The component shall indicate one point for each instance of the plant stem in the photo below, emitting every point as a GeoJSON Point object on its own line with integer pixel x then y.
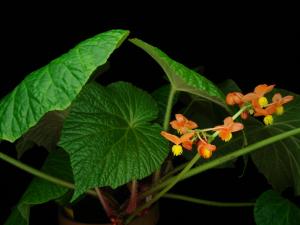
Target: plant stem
{"type": "Point", "coordinates": [39, 173]}
{"type": "Point", "coordinates": [104, 203]}
{"type": "Point", "coordinates": [155, 177]}
{"type": "Point", "coordinates": [207, 202]}
{"type": "Point", "coordinates": [133, 197]}
{"type": "Point", "coordinates": [169, 108]}
{"type": "Point", "coordinates": [238, 113]}
{"type": "Point", "coordinates": [166, 189]}
{"type": "Point", "coordinates": [188, 106]}
{"type": "Point", "coordinates": [168, 111]}
{"type": "Point", "coordinates": [175, 170]}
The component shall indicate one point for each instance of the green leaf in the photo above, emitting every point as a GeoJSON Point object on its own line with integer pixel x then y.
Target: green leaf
{"type": "Point", "coordinates": [16, 218]}
{"type": "Point", "coordinates": [272, 209]}
{"type": "Point", "coordinates": [45, 133]}
{"type": "Point", "coordinates": [41, 191]}
{"type": "Point", "coordinates": [110, 137]}
{"type": "Point", "coordinates": [55, 86]}
{"type": "Point", "coordinates": [181, 77]}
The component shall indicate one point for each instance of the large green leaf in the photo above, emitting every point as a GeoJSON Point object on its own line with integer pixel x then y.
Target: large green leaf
{"type": "Point", "coordinates": [272, 209]}
{"type": "Point", "coordinates": [110, 137]}
{"type": "Point", "coordinates": [41, 191]}
{"type": "Point", "coordinates": [181, 77]}
{"type": "Point", "coordinates": [55, 86]}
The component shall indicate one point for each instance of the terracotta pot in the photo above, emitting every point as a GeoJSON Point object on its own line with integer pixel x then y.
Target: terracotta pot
{"type": "Point", "coordinates": [150, 218]}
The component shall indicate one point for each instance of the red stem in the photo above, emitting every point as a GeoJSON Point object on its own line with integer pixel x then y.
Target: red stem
{"type": "Point", "coordinates": [156, 176]}
{"type": "Point", "coordinates": [105, 204]}
{"type": "Point", "coordinates": [132, 204]}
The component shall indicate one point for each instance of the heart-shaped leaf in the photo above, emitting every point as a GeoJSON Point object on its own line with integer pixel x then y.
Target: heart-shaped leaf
{"type": "Point", "coordinates": [110, 137]}
{"type": "Point", "coordinates": [181, 77]}
{"type": "Point", "coordinates": [272, 209]}
{"type": "Point", "coordinates": [55, 86]}
{"type": "Point", "coordinates": [40, 190]}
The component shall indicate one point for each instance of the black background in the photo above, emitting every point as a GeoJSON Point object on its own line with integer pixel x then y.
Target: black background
{"type": "Point", "coordinates": [250, 44]}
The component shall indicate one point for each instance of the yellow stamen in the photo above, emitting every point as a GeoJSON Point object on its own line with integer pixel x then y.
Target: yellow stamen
{"type": "Point", "coordinates": [268, 120]}
{"type": "Point", "coordinates": [263, 101]}
{"type": "Point", "coordinates": [279, 110]}
{"type": "Point", "coordinates": [177, 150]}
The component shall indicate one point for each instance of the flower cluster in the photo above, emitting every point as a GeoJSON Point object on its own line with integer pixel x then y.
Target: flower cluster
{"type": "Point", "coordinates": [190, 135]}
{"type": "Point", "coordinates": [254, 103]}
{"type": "Point", "coordinates": [258, 104]}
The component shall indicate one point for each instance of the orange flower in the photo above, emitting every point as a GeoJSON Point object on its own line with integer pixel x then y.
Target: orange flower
{"type": "Point", "coordinates": [258, 94]}
{"type": "Point", "coordinates": [276, 106]}
{"type": "Point", "coordinates": [185, 140]}
{"type": "Point", "coordinates": [205, 149]}
{"type": "Point", "coordinates": [259, 111]}
{"type": "Point", "coordinates": [266, 112]}
{"type": "Point", "coordinates": [182, 124]}
{"type": "Point", "coordinates": [234, 98]}
{"type": "Point", "coordinates": [278, 101]}
{"type": "Point", "coordinates": [237, 98]}
{"type": "Point", "coordinates": [225, 131]}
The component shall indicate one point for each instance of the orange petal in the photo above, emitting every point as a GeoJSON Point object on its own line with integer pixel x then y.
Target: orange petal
{"type": "Point", "coordinates": [230, 99]}
{"type": "Point", "coordinates": [180, 118]}
{"type": "Point", "coordinates": [270, 109]}
{"type": "Point", "coordinates": [278, 100]}
{"type": "Point", "coordinates": [277, 97]}
{"type": "Point", "coordinates": [175, 125]}
{"type": "Point", "coordinates": [186, 137]}
{"type": "Point", "coordinates": [265, 112]}
{"type": "Point", "coordinates": [191, 125]}
{"type": "Point", "coordinates": [236, 127]}
{"type": "Point", "coordinates": [262, 89]}
{"type": "Point", "coordinates": [187, 145]}
{"type": "Point", "coordinates": [228, 121]}
{"type": "Point", "coordinates": [234, 98]}
{"type": "Point", "coordinates": [211, 147]}
{"type": "Point", "coordinates": [287, 99]}
{"type": "Point", "coordinates": [170, 137]}
{"type": "Point", "coordinates": [203, 144]}
{"type": "Point", "coordinates": [249, 97]}
{"type": "Point", "coordinates": [219, 127]}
